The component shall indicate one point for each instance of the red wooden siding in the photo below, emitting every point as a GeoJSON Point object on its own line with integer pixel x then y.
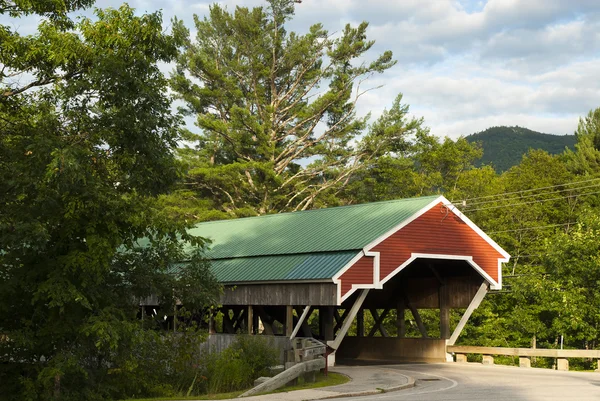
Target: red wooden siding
{"type": "Point", "coordinates": [438, 231]}
{"type": "Point", "coordinates": [361, 272]}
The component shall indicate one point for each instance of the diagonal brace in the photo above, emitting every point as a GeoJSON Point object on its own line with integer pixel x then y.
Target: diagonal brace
{"type": "Point", "coordinates": [346, 325]}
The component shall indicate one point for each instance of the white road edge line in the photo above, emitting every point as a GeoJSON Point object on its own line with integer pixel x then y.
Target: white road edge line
{"type": "Point", "coordinates": [408, 392]}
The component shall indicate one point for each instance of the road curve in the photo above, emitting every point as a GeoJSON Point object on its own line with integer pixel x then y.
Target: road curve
{"type": "Point", "coordinates": [463, 382]}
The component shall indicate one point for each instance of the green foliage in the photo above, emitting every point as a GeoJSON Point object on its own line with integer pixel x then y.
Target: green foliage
{"type": "Point", "coordinates": [152, 363]}
{"type": "Point", "coordinates": [87, 142]}
{"type": "Point", "coordinates": [573, 259]}
{"type": "Point", "coordinates": [422, 165]}
{"type": "Point", "coordinates": [236, 368]}
{"type": "Point", "coordinates": [586, 159]}
{"type": "Point", "coordinates": [88, 159]}
{"type": "Point", "coordinates": [544, 230]}
{"type": "Point", "coordinates": [270, 138]}
{"type": "Point", "coordinates": [503, 147]}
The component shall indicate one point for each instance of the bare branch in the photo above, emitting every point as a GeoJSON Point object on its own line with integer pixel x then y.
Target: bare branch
{"type": "Point", "coordinates": [39, 82]}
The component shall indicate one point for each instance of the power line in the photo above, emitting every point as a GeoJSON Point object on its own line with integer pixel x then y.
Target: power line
{"type": "Point", "coordinates": [534, 195]}
{"type": "Point", "coordinates": [532, 189]}
{"type": "Point", "coordinates": [530, 202]}
{"type": "Point", "coordinates": [531, 228]}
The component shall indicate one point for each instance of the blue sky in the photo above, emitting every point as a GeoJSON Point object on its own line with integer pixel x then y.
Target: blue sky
{"type": "Point", "coordinates": [464, 65]}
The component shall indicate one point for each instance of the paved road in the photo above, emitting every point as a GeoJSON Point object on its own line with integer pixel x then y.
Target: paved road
{"type": "Point", "coordinates": [462, 382]}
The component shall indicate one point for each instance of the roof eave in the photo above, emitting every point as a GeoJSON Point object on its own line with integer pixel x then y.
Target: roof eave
{"type": "Point", "coordinates": [324, 281]}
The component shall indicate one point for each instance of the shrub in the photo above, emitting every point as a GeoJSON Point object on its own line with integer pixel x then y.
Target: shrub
{"type": "Point", "coordinates": [236, 368]}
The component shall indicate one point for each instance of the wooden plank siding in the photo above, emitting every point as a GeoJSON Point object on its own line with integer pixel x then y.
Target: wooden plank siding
{"type": "Point", "coordinates": [438, 231]}
{"type": "Point", "coordinates": [280, 294]}
{"type": "Point", "coordinates": [361, 272]}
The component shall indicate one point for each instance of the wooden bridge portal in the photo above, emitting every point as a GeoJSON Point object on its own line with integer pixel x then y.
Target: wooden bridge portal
{"type": "Point", "coordinates": [382, 260]}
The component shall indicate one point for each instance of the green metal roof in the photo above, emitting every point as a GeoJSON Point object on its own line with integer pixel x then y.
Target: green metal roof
{"type": "Point", "coordinates": [314, 231]}
{"type": "Point", "coordinates": [310, 266]}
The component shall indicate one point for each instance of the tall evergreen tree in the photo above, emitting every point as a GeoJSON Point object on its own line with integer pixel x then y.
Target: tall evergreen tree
{"type": "Point", "coordinates": [586, 157]}
{"type": "Point", "coordinates": [277, 110]}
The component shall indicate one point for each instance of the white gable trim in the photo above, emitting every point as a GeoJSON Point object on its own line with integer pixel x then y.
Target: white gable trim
{"type": "Point", "coordinates": [478, 230]}
{"type": "Point", "coordinates": [406, 222]}
{"type": "Point", "coordinates": [378, 283]}
{"type": "Point", "coordinates": [469, 259]}
{"type": "Point", "coordinates": [506, 256]}
{"type": "Point", "coordinates": [338, 282]}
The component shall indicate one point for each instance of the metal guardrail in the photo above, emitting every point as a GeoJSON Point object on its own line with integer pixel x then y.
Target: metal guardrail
{"type": "Point", "coordinates": [524, 354]}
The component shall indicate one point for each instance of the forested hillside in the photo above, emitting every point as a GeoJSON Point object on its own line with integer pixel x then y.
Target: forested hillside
{"type": "Point", "coordinates": [503, 147]}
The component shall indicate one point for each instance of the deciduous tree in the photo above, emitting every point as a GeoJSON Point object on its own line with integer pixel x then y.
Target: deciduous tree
{"type": "Point", "coordinates": [87, 140]}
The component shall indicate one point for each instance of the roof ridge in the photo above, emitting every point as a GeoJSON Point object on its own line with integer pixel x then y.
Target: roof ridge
{"type": "Point", "coordinates": [318, 210]}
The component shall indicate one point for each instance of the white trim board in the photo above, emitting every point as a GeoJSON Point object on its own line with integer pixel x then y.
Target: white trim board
{"type": "Point", "coordinates": [506, 256]}
{"type": "Point", "coordinates": [469, 259]}
{"type": "Point", "coordinates": [378, 284]}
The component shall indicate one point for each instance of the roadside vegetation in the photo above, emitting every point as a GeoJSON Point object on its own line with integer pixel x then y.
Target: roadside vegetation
{"type": "Point", "coordinates": [332, 379]}
{"type": "Point", "coordinates": [100, 179]}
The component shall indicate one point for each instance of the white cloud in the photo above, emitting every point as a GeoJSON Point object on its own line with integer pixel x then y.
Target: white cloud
{"type": "Point", "coordinates": [464, 65]}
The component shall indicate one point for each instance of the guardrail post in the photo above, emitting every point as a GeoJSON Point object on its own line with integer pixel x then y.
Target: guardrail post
{"type": "Point", "coordinates": [563, 364]}
{"type": "Point", "coordinates": [310, 377]}
{"type": "Point", "coordinates": [598, 368]}
{"type": "Point", "coordinates": [487, 360]}
{"type": "Point", "coordinates": [524, 362]}
{"type": "Point", "coordinates": [461, 358]}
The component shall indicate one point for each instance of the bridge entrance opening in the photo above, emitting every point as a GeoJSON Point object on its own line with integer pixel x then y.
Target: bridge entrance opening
{"type": "Point", "coordinates": [409, 319]}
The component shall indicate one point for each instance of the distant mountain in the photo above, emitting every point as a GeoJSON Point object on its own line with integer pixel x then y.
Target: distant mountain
{"type": "Point", "coordinates": [504, 147]}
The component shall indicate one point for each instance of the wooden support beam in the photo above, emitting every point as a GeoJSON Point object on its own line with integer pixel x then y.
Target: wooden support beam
{"type": "Point", "coordinates": [444, 312]}
{"type": "Point", "coordinates": [417, 317]}
{"type": "Point", "coordinates": [400, 318]}
{"type": "Point", "coordinates": [326, 323]}
{"type": "Point", "coordinates": [305, 328]}
{"type": "Point", "coordinates": [266, 320]}
{"type": "Point", "coordinates": [300, 321]}
{"type": "Point", "coordinates": [289, 320]}
{"type": "Point", "coordinates": [227, 324]}
{"type": "Point", "coordinates": [336, 315]}
{"type": "Point", "coordinates": [483, 289]}
{"type": "Point", "coordinates": [255, 324]}
{"type": "Point", "coordinates": [436, 274]}
{"type": "Point", "coordinates": [238, 322]}
{"type": "Point", "coordinates": [360, 323]}
{"type": "Point", "coordinates": [212, 328]}
{"type": "Point", "coordinates": [378, 320]}
{"type": "Point", "coordinates": [250, 320]}
{"type": "Point", "coordinates": [341, 319]}
{"type": "Point", "coordinates": [348, 322]}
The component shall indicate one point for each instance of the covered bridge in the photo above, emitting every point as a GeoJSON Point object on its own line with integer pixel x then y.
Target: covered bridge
{"type": "Point", "coordinates": [409, 254]}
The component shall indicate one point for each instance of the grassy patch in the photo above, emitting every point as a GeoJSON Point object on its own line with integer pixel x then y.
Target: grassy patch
{"type": "Point", "coordinates": [221, 396]}
{"type": "Point", "coordinates": [333, 379]}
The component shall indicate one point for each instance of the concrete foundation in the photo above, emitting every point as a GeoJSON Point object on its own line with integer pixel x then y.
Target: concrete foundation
{"type": "Point", "coordinates": [524, 362]}
{"type": "Point", "coordinates": [562, 364]}
{"type": "Point", "coordinates": [393, 349]}
{"type": "Point", "coordinates": [487, 360]}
